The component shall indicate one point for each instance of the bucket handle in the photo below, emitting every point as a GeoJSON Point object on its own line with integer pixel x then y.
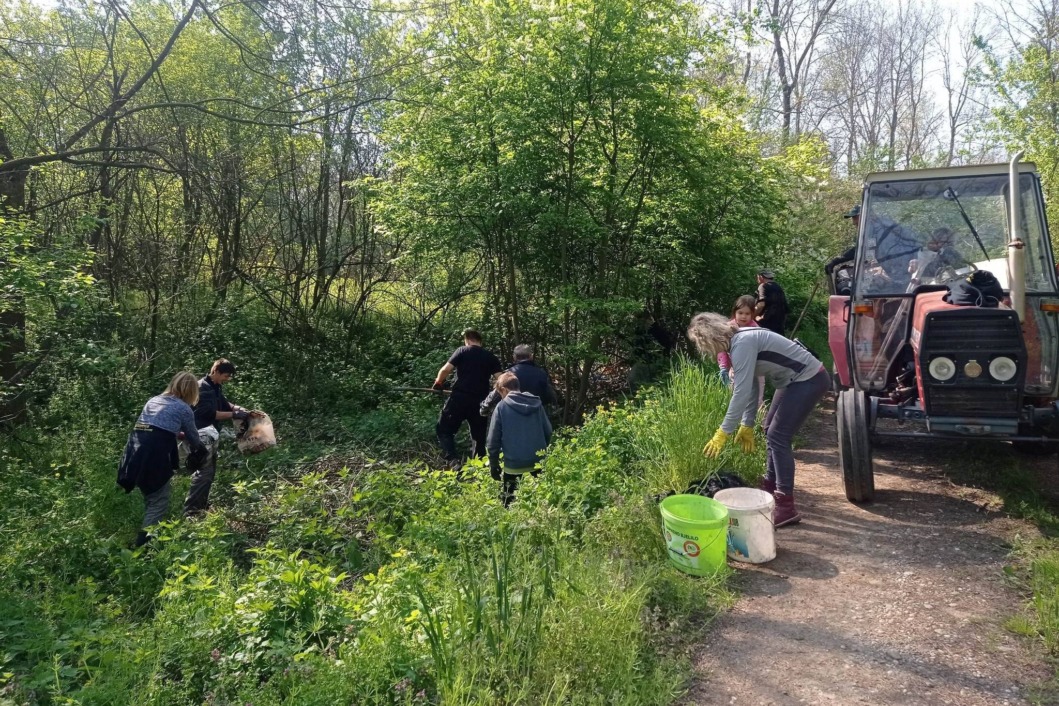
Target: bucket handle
{"type": "Point", "coordinates": [719, 535]}
{"type": "Point", "coordinates": [767, 515]}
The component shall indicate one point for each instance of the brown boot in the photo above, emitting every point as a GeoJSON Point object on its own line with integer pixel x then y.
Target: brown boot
{"type": "Point", "coordinates": [769, 486]}
{"type": "Point", "coordinates": [785, 513]}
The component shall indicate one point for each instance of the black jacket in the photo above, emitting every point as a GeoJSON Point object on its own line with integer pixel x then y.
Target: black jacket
{"type": "Point", "coordinates": [149, 460]}
{"type": "Point", "coordinates": [211, 401]}
{"type": "Point", "coordinates": [531, 378]}
{"type": "Point", "coordinates": [837, 260]}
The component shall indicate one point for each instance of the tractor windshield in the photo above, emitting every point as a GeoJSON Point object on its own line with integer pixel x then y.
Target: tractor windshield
{"type": "Point", "coordinates": [932, 231]}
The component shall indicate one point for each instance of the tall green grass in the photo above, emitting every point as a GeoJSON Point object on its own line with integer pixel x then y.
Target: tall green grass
{"type": "Point", "coordinates": [385, 583]}
{"type": "Point", "coordinates": [678, 421]}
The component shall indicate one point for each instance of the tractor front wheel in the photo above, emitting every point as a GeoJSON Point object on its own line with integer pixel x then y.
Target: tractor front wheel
{"type": "Point", "coordinates": [854, 446]}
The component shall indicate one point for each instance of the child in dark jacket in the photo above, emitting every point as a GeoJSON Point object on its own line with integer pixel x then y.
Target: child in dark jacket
{"type": "Point", "coordinates": [520, 428]}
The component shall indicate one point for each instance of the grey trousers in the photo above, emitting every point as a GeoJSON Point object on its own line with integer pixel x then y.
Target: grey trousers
{"type": "Point", "coordinates": [790, 408]}
{"type": "Point", "coordinates": [198, 498]}
{"type": "Point", "coordinates": [155, 504]}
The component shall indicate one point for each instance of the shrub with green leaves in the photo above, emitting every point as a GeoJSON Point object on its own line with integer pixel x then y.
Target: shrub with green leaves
{"type": "Point", "coordinates": [321, 574]}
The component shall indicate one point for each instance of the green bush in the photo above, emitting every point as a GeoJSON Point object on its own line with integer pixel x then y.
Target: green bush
{"type": "Point", "coordinates": [323, 575]}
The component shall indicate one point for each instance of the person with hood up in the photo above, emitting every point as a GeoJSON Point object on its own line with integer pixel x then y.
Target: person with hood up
{"type": "Point", "coordinates": [520, 429]}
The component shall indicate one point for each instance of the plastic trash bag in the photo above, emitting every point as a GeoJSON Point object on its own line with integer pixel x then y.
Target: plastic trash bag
{"type": "Point", "coordinates": [709, 485]}
{"type": "Point", "coordinates": [255, 434]}
{"type": "Point", "coordinates": [718, 481]}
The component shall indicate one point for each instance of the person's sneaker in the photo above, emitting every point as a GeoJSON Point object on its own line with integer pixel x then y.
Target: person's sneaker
{"type": "Point", "coordinates": [768, 485]}
{"type": "Point", "coordinates": [785, 513]}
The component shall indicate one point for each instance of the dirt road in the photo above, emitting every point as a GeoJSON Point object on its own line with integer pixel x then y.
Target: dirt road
{"type": "Point", "coordinates": [901, 601]}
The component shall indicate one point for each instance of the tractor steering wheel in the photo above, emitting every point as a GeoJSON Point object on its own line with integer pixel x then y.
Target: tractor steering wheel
{"type": "Point", "coordinates": [948, 273]}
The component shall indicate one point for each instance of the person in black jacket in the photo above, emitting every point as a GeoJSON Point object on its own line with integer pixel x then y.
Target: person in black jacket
{"type": "Point", "coordinates": [474, 367]}
{"type": "Point", "coordinates": [212, 408]}
{"type": "Point", "coordinates": [771, 303]}
{"type": "Point", "coordinates": [850, 253]}
{"type": "Point", "coordinates": [531, 378]}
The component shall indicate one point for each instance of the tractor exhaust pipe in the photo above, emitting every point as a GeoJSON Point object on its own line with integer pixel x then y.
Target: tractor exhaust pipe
{"type": "Point", "coordinates": [1017, 246]}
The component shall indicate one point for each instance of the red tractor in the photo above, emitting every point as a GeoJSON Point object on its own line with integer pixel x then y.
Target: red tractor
{"type": "Point", "coordinates": [945, 319]}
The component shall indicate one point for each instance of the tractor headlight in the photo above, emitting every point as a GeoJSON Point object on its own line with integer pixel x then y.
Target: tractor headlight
{"type": "Point", "coordinates": [1002, 368]}
{"type": "Point", "coordinates": [942, 368]}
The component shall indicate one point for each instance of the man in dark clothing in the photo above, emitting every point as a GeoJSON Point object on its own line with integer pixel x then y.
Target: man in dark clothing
{"type": "Point", "coordinates": [474, 367]}
{"type": "Point", "coordinates": [895, 247]}
{"type": "Point", "coordinates": [531, 378]}
{"type": "Point", "coordinates": [212, 408]}
{"type": "Point", "coordinates": [771, 303]}
{"type": "Point", "coordinates": [842, 285]}
{"type": "Point", "coordinates": [850, 254]}
{"type": "Point", "coordinates": [520, 428]}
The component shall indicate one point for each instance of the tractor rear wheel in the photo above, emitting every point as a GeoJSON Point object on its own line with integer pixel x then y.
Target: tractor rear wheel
{"type": "Point", "coordinates": [854, 446]}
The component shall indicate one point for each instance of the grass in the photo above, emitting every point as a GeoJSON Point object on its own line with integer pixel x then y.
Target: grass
{"type": "Point", "coordinates": [680, 418]}
{"type": "Point", "coordinates": [323, 575]}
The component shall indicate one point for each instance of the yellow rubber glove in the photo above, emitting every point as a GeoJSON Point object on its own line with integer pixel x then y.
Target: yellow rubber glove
{"type": "Point", "coordinates": [713, 448]}
{"type": "Point", "coordinates": [745, 438]}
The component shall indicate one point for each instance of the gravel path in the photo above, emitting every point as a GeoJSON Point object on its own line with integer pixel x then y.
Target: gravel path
{"type": "Point", "coordinates": [901, 601]}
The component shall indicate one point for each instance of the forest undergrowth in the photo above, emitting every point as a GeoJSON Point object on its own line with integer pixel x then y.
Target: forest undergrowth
{"type": "Point", "coordinates": [337, 569]}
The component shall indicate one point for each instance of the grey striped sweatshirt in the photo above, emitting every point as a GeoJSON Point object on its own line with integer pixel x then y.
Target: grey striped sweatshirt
{"type": "Point", "coordinates": [759, 352]}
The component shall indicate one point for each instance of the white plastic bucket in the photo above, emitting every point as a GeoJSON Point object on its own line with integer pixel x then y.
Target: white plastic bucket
{"type": "Point", "coordinates": [751, 535]}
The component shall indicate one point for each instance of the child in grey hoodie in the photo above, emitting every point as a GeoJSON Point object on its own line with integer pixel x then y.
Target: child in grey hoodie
{"type": "Point", "coordinates": [520, 428]}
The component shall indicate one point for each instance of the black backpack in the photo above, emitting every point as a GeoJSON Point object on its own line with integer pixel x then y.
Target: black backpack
{"type": "Point", "coordinates": [981, 288]}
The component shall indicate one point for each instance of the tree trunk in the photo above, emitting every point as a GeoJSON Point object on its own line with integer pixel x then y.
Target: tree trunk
{"type": "Point", "coordinates": [13, 318]}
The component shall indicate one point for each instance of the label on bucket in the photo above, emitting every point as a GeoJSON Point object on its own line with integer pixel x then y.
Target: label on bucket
{"type": "Point", "coordinates": [683, 548]}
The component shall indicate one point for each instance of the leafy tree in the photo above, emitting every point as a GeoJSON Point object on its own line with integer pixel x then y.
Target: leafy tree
{"type": "Point", "coordinates": [49, 284]}
{"type": "Point", "coordinates": [1027, 87]}
{"type": "Point", "coordinates": [577, 159]}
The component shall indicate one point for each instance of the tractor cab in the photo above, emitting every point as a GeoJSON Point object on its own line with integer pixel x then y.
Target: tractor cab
{"type": "Point", "coordinates": [945, 321]}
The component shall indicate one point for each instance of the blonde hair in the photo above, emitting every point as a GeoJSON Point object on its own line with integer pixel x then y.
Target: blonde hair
{"type": "Point", "coordinates": [711, 333]}
{"type": "Point", "coordinates": [508, 382]}
{"type": "Point", "coordinates": [184, 386]}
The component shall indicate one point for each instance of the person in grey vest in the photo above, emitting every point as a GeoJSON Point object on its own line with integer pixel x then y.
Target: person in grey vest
{"type": "Point", "coordinates": [800, 381]}
{"type": "Point", "coordinates": [151, 457]}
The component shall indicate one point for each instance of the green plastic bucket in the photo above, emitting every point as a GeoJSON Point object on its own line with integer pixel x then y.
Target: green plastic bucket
{"type": "Point", "coordinates": [696, 531]}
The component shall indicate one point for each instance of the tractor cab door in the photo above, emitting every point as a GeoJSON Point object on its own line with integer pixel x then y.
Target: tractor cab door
{"type": "Point", "coordinates": [881, 307]}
